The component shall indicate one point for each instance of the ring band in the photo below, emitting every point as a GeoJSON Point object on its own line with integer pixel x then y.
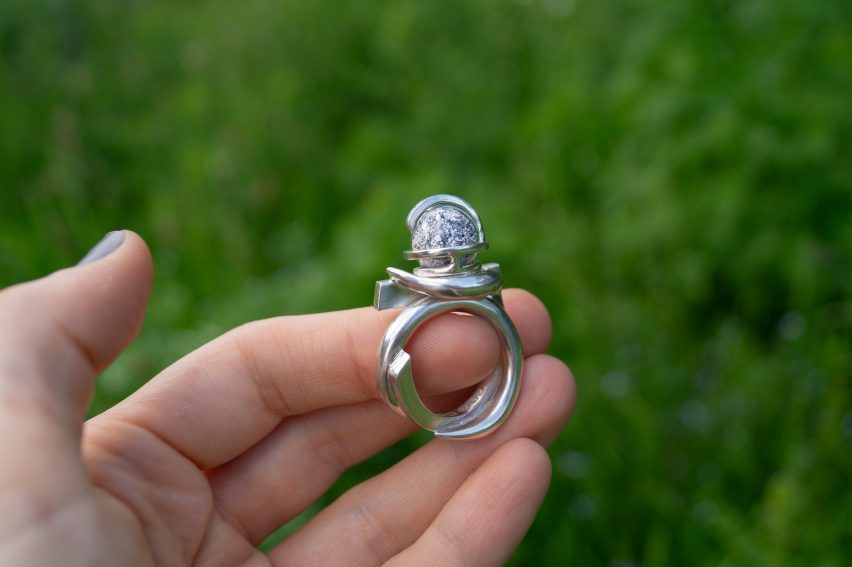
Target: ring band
{"type": "Point", "coordinates": [448, 280]}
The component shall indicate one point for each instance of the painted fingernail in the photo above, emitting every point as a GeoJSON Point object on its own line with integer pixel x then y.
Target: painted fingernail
{"type": "Point", "coordinates": [104, 247]}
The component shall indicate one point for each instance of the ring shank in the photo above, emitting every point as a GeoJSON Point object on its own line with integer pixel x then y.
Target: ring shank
{"type": "Point", "coordinates": [492, 401]}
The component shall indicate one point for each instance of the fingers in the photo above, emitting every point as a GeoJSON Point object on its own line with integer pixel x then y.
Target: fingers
{"type": "Point", "coordinates": [382, 516]}
{"type": "Point", "coordinates": [310, 452]}
{"type": "Point", "coordinates": [57, 334]}
{"type": "Point", "coordinates": [486, 519]}
{"type": "Point", "coordinates": [225, 397]}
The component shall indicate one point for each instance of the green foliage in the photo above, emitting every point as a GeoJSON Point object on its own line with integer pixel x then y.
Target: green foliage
{"type": "Point", "coordinates": [673, 178]}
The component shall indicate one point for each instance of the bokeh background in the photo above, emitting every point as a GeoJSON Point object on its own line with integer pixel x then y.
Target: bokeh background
{"type": "Point", "coordinates": [673, 178]}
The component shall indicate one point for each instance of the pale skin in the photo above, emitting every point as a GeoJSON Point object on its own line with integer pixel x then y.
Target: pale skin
{"type": "Point", "coordinates": [240, 436]}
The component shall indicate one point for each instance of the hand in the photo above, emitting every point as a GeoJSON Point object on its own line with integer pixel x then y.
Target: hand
{"type": "Point", "coordinates": [240, 436]}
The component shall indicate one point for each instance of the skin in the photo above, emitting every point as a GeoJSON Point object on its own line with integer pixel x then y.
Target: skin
{"type": "Point", "coordinates": [238, 437]}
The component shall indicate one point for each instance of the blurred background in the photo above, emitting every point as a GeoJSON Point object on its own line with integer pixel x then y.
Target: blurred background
{"type": "Point", "coordinates": [673, 178]}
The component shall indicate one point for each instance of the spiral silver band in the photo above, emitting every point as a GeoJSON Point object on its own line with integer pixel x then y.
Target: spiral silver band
{"type": "Point", "coordinates": [458, 287]}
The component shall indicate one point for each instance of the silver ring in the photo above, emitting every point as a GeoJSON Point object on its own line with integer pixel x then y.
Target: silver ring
{"type": "Point", "coordinates": [446, 234]}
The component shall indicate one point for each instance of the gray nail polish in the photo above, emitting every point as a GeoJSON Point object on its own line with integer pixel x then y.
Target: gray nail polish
{"type": "Point", "coordinates": [104, 247]}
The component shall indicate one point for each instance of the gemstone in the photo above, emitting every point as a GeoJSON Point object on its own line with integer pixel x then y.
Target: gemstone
{"type": "Point", "coordinates": [443, 227]}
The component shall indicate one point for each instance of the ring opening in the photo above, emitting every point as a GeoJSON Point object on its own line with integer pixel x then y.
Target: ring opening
{"type": "Point", "coordinates": [468, 367]}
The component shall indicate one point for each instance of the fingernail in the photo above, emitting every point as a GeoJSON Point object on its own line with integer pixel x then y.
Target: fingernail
{"type": "Point", "coordinates": [104, 247]}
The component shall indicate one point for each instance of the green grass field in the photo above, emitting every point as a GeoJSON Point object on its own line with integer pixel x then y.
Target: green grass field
{"type": "Point", "coordinates": [672, 178]}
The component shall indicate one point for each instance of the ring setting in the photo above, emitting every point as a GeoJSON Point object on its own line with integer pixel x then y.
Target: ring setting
{"type": "Point", "coordinates": [446, 235]}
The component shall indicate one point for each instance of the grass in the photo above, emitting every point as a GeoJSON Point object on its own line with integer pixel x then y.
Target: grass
{"type": "Point", "coordinates": [672, 178]}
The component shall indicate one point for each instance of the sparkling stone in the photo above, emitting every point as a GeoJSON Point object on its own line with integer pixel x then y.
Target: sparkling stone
{"type": "Point", "coordinates": [443, 227]}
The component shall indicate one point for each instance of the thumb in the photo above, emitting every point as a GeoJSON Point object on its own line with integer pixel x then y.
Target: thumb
{"type": "Point", "coordinates": [57, 333]}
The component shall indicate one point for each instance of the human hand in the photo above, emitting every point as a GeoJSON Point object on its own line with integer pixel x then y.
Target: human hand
{"type": "Point", "coordinates": [240, 436]}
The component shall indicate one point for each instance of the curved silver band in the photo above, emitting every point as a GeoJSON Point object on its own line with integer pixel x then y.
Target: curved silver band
{"type": "Point", "coordinates": [493, 400]}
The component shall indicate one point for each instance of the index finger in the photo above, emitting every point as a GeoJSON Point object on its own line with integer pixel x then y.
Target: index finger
{"type": "Point", "coordinates": [220, 400]}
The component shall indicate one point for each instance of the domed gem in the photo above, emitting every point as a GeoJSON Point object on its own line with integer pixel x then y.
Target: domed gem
{"type": "Point", "coordinates": [443, 227]}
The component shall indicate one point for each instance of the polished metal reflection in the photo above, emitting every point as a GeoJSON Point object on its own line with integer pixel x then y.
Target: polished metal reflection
{"type": "Point", "coordinates": [446, 236]}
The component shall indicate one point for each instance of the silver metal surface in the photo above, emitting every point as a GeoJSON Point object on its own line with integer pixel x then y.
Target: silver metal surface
{"type": "Point", "coordinates": [448, 280]}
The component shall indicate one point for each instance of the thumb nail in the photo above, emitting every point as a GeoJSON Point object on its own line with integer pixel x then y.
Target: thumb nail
{"type": "Point", "coordinates": [104, 247]}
